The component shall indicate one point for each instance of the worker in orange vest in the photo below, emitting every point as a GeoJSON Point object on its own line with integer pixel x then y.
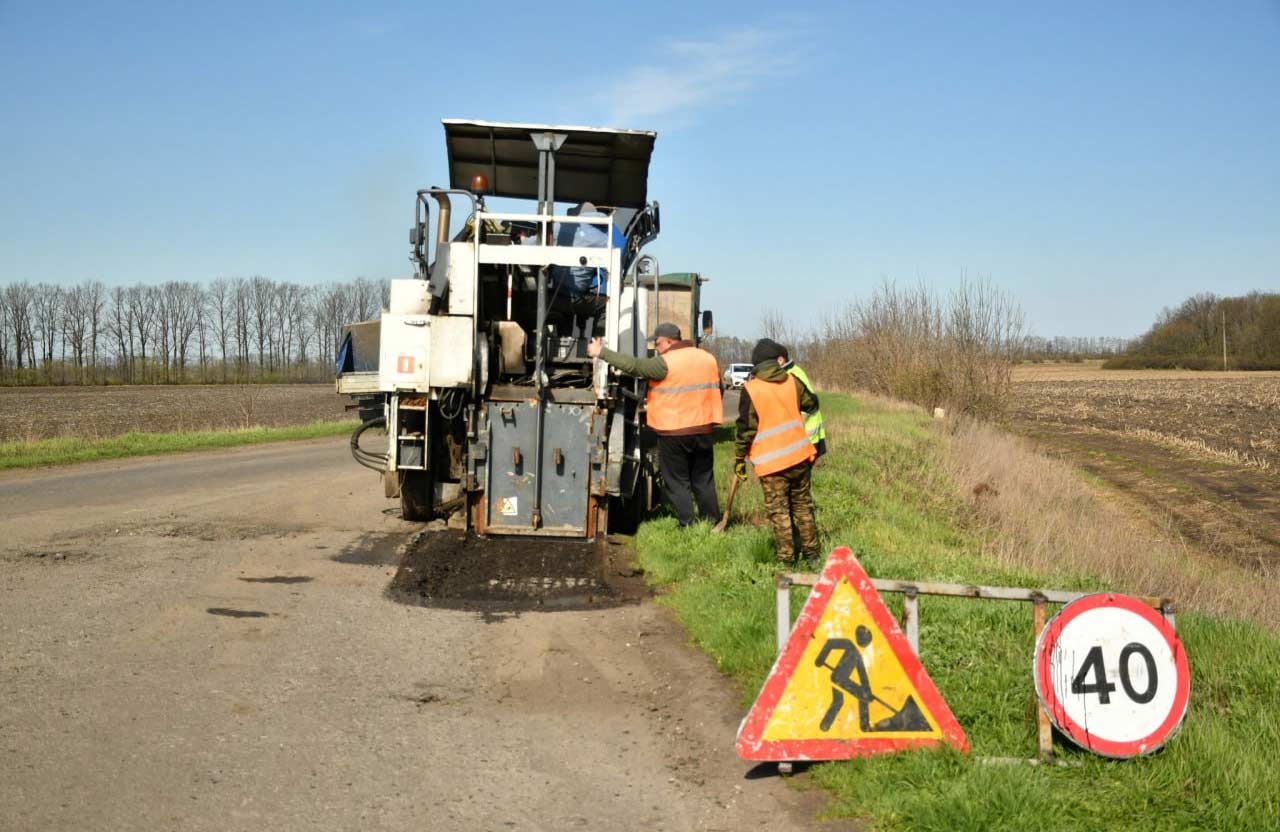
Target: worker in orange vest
{"type": "Point", "coordinates": [771, 433]}
{"type": "Point", "coordinates": [684, 407]}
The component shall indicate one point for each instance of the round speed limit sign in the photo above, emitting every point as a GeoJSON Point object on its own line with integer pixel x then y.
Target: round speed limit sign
{"type": "Point", "coordinates": [1112, 675]}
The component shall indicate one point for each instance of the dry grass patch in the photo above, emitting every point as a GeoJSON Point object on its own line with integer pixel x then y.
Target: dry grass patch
{"type": "Point", "coordinates": [1042, 515]}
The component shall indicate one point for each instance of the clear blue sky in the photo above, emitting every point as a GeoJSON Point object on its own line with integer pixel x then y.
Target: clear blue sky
{"type": "Point", "coordinates": [1097, 160]}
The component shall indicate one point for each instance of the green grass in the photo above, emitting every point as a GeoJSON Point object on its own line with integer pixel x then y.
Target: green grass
{"type": "Point", "coordinates": [881, 492]}
{"type": "Point", "coordinates": [65, 450]}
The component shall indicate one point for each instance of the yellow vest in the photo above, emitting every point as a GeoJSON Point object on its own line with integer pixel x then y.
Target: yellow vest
{"type": "Point", "coordinates": [812, 421]}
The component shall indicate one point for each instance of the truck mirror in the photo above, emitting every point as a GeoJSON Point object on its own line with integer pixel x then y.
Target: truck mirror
{"type": "Point", "coordinates": [708, 323]}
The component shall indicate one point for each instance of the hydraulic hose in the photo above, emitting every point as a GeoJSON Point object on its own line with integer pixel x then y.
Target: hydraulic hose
{"type": "Point", "coordinates": [375, 462]}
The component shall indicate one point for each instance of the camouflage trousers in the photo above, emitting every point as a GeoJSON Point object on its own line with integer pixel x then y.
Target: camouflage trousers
{"type": "Point", "coordinates": [789, 501]}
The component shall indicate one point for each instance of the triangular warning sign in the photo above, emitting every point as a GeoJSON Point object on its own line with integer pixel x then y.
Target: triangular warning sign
{"type": "Point", "coordinates": [847, 684]}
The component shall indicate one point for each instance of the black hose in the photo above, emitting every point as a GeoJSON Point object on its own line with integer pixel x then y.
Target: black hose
{"type": "Point", "coordinates": [368, 459]}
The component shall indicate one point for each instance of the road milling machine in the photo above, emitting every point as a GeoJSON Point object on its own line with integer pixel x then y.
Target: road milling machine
{"type": "Point", "coordinates": [477, 369]}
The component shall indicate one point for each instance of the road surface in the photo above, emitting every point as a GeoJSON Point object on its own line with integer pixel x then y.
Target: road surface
{"type": "Point", "coordinates": [203, 642]}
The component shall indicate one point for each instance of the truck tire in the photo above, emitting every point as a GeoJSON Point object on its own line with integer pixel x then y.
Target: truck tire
{"type": "Point", "coordinates": [415, 496]}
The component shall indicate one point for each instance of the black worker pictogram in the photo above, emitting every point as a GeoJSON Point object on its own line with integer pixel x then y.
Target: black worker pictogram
{"type": "Point", "coordinates": [849, 676]}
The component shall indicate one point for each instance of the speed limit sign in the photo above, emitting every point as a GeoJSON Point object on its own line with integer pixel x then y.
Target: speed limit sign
{"type": "Point", "coordinates": [1112, 675]}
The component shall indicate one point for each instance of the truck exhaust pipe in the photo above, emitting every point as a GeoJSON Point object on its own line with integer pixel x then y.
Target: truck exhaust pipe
{"type": "Point", "coordinates": [442, 223]}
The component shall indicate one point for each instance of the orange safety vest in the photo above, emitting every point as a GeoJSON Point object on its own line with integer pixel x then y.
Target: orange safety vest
{"type": "Point", "coordinates": [688, 399]}
{"type": "Point", "coordinates": [781, 439]}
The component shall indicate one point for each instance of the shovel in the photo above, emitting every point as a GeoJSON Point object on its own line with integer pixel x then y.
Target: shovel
{"type": "Point", "coordinates": [728, 506]}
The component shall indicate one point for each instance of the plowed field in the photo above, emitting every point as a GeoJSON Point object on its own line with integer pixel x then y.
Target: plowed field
{"type": "Point", "coordinates": [1201, 448]}
{"type": "Point", "coordinates": [97, 412]}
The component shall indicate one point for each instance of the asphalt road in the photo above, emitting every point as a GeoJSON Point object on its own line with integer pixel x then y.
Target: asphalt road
{"type": "Point", "coordinates": [203, 642]}
{"type": "Point", "coordinates": [731, 397]}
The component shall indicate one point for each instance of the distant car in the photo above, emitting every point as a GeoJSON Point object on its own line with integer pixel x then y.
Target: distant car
{"type": "Point", "coordinates": [735, 375]}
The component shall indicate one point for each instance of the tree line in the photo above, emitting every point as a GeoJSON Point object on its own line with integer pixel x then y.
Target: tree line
{"type": "Point", "coordinates": [1208, 332]}
{"type": "Point", "coordinates": [234, 329]}
{"type": "Point", "coordinates": [1074, 347]}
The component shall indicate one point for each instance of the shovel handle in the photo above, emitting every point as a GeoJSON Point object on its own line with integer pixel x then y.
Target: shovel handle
{"type": "Point", "coordinates": [728, 505]}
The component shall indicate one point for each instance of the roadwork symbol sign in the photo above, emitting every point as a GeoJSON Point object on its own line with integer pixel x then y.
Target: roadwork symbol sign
{"type": "Point", "coordinates": [847, 684]}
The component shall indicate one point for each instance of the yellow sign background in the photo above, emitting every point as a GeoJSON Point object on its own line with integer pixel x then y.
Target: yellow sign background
{"type": "Point", "coordinates": [808, 694]}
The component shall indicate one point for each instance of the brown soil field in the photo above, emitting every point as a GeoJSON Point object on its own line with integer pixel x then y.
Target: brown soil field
{"type": "Point", "coordinates": [1201, 449]}
{"type": "Point", "coordinates": [1092, 371]}
{"type": "Point", "coordinates": [28, 413]}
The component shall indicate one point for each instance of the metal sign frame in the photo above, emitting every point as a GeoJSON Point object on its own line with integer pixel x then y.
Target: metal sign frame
{"type": "Point", "coordinates": [912, 590]}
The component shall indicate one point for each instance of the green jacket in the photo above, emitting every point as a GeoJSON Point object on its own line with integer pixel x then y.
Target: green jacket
{"type": "Point", "coordinates": [747, 421]}
{"type": "Point", "coordinates": [650, 367]}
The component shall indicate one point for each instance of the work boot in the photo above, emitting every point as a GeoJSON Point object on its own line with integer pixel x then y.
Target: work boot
{"type": "Point", "coordinates": [812, 562]}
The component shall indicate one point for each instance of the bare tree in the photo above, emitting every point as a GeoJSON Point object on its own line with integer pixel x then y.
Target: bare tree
{"type": "Point", "coordinates": [366, 299]}
{"type": "Point", "coordinates": [178, 302]}
{"type": "Point", "coordinates": [143, 304]}
{"type": "Point", "coordinates": [76, 326]}
{"type": "Point", "coordinates": [261, 296]}
{"type": "Point", "coordinates": [119, 328]}
{"type": "Point", "coordinates": [773, 325]}
{"type": "Point", "coordinates": [330, 314]}
{"type": "Point", "coordinates": [95, 298]}
{"type": "Point", "coordinates": [202, 334]}
{"type": "Point", "coordinates": [47, 314]}
{"type": "Point", "coordinates": [241, 308]}
{"type": "Point", "coordinates": [220, 317]}
{"type": "Point", "coordinates": [4, 337]}
{"type": "Point", "coordinates": [302, 325]}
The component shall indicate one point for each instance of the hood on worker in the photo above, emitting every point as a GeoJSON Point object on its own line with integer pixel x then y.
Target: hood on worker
{"type": "Point", "coordinates": [770, 371]}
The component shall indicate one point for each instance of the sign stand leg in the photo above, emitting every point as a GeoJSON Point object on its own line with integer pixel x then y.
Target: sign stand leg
{"type": "Point", "coordinates": [782, 611]}
{"type": "Point", "coordinates": [1044, 731]}
{"type": "Point", "coordinates": [911, 618]}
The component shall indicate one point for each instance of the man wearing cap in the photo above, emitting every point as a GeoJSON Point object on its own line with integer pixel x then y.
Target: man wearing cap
{"type": "Point", "coordinates": [772, 434]}
{"type": "Point", "coordinates": [684, 407]}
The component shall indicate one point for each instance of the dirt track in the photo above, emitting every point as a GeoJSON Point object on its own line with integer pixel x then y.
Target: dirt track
{"type": "Point", "coordinates": [204, 642]}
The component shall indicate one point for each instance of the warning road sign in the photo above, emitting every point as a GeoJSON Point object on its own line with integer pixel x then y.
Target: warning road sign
{"type": "Point", "coordinates": [847, 684]}
{"type": "Point", "coordinates": [1112, 676]}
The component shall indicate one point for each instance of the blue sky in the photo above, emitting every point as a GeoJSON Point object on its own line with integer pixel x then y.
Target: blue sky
{"type": "Point", "coordinates": [1098, 161]}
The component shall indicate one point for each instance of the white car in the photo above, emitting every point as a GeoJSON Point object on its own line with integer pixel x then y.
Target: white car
{"type": "Point", "coordinates": [736, 375]}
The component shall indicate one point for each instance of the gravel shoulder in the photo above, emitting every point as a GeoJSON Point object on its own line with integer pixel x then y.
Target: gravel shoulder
{"type": "Point", "coordinates": [205, 642]}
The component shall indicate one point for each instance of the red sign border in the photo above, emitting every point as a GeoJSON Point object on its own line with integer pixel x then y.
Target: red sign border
{"type": "Point", "coordinates": [841, 563]}
{"type": "Point", "coordinates": [1053, 707]}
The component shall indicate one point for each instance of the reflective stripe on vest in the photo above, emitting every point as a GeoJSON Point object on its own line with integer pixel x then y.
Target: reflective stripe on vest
{"type": "Point", "coordinates": [781, 440]}
{"type": "Point", "coordinates": [686, 388]}
{"type": "Point", "coordinates": [812, 421]}
{"type": "Point", "coordinates": [689, 397]}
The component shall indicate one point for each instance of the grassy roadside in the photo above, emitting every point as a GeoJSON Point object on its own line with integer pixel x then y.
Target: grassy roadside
{"type": "Point", "coordinates": [65, 450]}
{"type": "Point", "coordinates": [883, 492]}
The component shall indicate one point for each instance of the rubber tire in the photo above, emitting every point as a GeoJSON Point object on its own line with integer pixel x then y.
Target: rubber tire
{"type": "Point", "coordinates": [415, 496]}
